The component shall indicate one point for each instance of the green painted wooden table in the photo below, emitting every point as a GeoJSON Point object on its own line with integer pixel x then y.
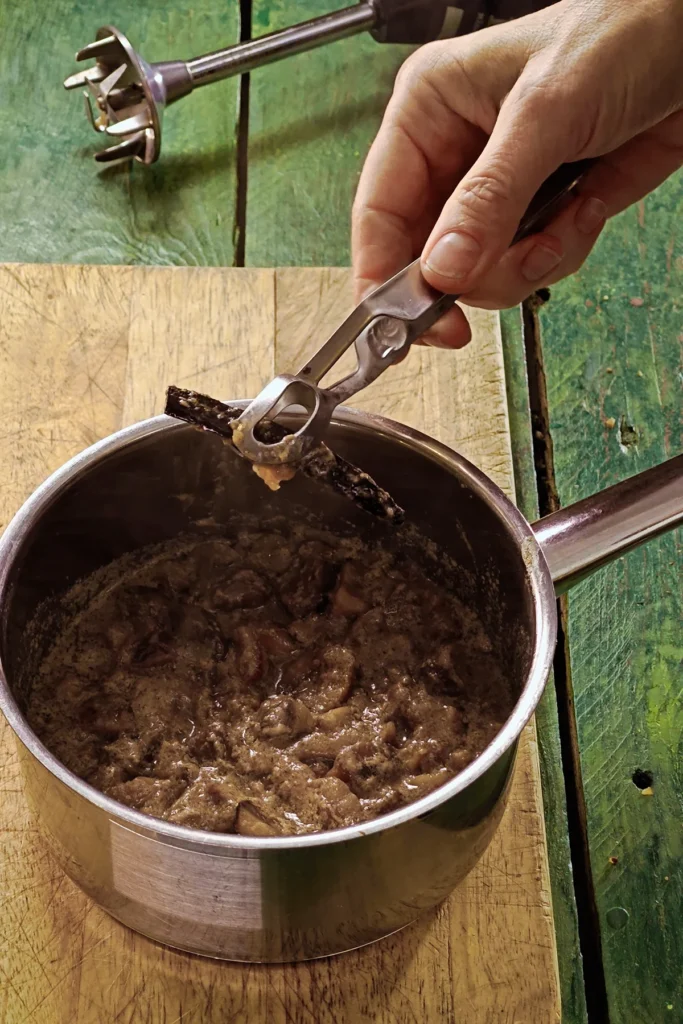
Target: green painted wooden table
{"type": "Point", "coordinates": [264, 173]}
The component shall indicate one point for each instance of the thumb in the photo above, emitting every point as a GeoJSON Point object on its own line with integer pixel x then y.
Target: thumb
{"type": "Point", "coordinates": [479, 220]}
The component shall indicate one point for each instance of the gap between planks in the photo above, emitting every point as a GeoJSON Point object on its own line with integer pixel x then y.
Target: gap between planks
{"type": "Point", "coordinates": [588, 919]}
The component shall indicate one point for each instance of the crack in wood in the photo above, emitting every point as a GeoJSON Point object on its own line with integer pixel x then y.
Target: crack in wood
{"type": "Point", "coordinates": [242, 148]}
{"type": "Point", "coordinates": [595, 985]}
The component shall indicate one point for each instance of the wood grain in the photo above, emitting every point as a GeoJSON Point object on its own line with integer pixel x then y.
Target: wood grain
{"type": "Point", "coordinates": [612, 337]}
{"type": "Point", "coordinates": [488, 954]}
{"type": "Point", "coordinates": [63, 349]}
{"type": "Point", "coordinates": [206, 328]}
{"type": "Point", "coordinates": [57, 204]}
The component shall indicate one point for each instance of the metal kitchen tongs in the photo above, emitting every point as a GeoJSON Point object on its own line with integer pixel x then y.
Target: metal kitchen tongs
{"type": "Point", "coordinates": [382, 327]}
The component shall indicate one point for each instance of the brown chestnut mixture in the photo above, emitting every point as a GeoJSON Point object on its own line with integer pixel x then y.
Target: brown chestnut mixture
{"type": "Point", "coordinates": [279, 681]}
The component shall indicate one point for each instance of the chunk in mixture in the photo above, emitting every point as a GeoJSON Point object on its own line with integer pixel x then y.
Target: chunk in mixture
{"type": "Point", "coordinates": [274, 681]}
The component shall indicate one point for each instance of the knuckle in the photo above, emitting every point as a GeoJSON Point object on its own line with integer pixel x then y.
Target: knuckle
{"type": "Point", "coordinates": [360, 210]}
{"type": "Point", "coordinates": [409, 73]}
{"type": "Point", "coordinates": [483, 195]}
{"type": "Point", "coordinates": [418, 67]}
{"type": "Point", "coordinates": [366, 209]}
{"type": "Point", "coordinates": [539, 94]}
{"type": "Point", "coordinates": [436, 57]}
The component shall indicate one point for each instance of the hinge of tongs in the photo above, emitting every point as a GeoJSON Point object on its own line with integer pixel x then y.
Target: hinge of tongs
{"type": "Point", "coordinates": [383, 327]}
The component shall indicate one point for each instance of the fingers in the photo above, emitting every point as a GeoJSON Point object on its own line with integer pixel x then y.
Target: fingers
{"type": "Point", "coordinates": [451, 331]}
{"type": "Point", "coordinates": [542, 259]}
{"type": "Point", "coordinates": [409, 172]}
{"type": "Point", "coordinates": [614, 183]}
{"type": "Point", "coordinates": [636, 168]}
{"type": "Point", "coordinates": [480, 218]}
{"type": "Point", "coordinates": [382, 245]}
{"type": "Point", "coordinates": [447, 102]}
{"type": "Point", "coordinates": [574, 97]}
{"type": "Point", "coordinates": [386, 207]}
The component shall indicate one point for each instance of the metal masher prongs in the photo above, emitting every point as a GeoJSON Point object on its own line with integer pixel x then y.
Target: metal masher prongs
{"type": "Point", "coordinates": [130, 94]}
{"type": "Point", "coordinates": [125, 96]}
{"type": "Point", "coordinates": [121, 108]}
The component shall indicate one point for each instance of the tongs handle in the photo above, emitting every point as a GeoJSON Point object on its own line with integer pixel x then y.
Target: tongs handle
{"type": "Point", "coordinates": [383, 327]}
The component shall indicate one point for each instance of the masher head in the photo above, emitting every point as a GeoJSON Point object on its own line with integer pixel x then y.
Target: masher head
{"type": "Point", "coordinates": [125, 96]}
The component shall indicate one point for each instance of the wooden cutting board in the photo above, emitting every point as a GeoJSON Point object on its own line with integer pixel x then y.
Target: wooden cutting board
{"type": "Point", "coordinates": [84, 350]}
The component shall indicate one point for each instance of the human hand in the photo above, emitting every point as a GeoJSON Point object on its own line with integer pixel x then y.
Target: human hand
{"type": "Point", "coordinates": [476, 125]}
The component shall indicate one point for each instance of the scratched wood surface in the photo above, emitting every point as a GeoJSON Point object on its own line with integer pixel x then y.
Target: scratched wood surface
{"type": "Point", "coordinates": [612, 339]}
{"type": "Point", "coordinates": [57, 205]}
{"type": "Point", "coordinates": [86, 349]}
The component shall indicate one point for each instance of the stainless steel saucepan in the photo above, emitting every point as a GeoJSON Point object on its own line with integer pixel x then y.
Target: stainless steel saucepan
{"type": "Point", "coordinates": [280, 899]}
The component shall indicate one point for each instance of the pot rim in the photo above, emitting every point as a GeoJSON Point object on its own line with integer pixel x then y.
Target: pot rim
{"type": "Point", "coordinates": [538, 576]}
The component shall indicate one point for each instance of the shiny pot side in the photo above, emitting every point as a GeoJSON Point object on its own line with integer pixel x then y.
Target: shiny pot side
{"type": "Point", "coordinates": [264, 905]}
{"type": "Point", "coordinates": [278, 898]}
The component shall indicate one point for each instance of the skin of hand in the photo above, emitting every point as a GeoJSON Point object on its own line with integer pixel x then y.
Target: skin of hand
{"type": "Point", "coordinates": [474, 127]}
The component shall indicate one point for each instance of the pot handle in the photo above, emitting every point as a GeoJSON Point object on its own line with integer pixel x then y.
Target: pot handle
{"type": "Point", "coordinates": [585, 536]}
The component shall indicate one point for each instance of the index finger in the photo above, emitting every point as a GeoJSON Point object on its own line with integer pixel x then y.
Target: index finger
{"type": "Point", "coordinates": [396, 206]}
{"type": "Point", "coordinates": [421, 150]}
{"type": "Point", "coordinates": [388, 207]}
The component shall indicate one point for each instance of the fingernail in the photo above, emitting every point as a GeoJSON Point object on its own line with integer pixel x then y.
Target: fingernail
{"type": "Point", "coordinates": [590, 215]}
{"type": "Point", "coordinates": [539, 262]}
{"type": "Point", "coordinates": [454, 256]}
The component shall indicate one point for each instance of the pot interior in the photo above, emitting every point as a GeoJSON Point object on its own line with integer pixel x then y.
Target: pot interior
{"type": "Point", "coordinates": [165, 478]}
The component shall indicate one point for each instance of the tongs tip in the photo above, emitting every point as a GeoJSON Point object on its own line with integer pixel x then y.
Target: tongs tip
{"type": "Point", "coordinates": [284, 393]}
